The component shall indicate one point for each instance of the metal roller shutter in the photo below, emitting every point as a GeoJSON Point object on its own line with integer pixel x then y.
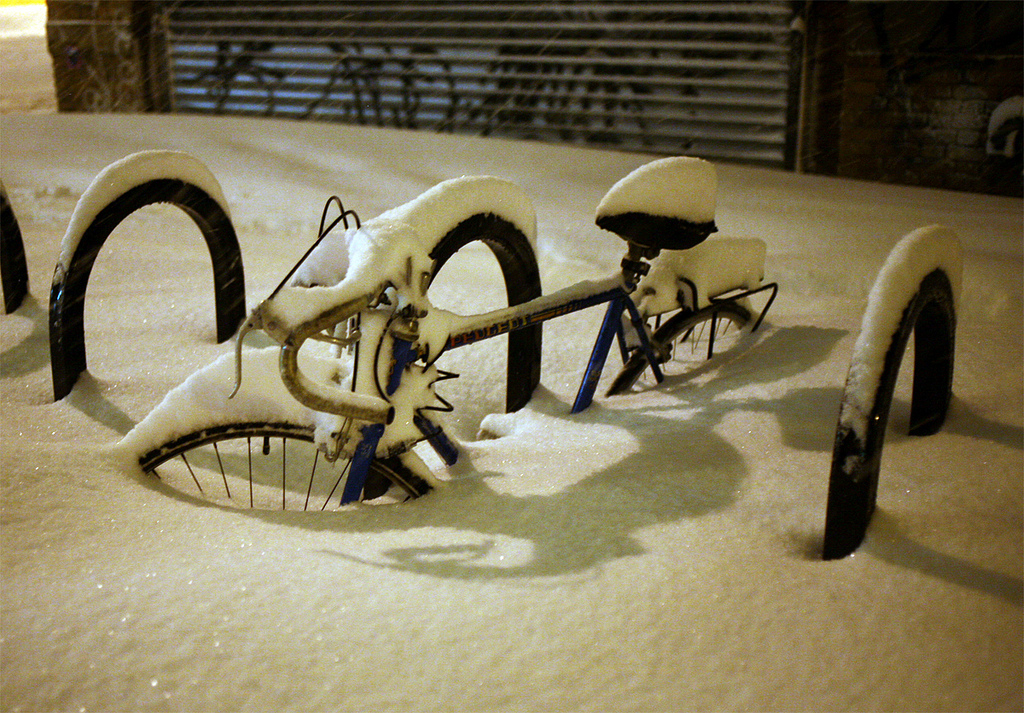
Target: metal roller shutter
{"type": "Point", "coordinates": [712, 79]}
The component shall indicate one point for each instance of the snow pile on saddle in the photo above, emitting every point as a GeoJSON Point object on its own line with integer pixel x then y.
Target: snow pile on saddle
{"type": "Point", "coordinates": [675, 187]}
{"type": "Point", "coordinates": [915, 256]}
{"type": "Point", "coordinates": [666, 204]}
{"type": "Point", "coordinates": [121, 176]}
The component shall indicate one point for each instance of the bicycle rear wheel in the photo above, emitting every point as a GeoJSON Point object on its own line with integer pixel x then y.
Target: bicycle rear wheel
{"type": "Point", "coordinates": [684, 339]}
{"type": "Point", "coordinates": [269, 466]}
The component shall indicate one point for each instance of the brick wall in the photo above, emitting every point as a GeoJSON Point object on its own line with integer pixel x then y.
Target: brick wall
{"type": "Point", "coordinates": [106, 56]}
{"type": "Point", "coordinates": [912, 86]}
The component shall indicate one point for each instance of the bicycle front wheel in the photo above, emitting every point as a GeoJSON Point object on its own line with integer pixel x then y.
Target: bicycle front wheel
{"type": "Point", "coordinates": [269, 466]}
{"type": "Point", "coordinates": [686, 339]}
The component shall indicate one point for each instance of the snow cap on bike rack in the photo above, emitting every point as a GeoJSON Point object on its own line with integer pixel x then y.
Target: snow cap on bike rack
{"type": "Point", "coordinates": [676, 187]}
{"type": "Point", "coordinates": [438, 210]}
{"type": "Point", "coordinates": [131, 171]}
{"type": "Point", "coordinates": [431, 216]}
{"type": "Point", "coordinates": [917, 254]}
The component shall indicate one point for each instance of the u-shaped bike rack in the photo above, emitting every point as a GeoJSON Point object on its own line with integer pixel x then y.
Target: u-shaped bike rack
{"type": "Point", "coordinates": [13, 268]}
{"type": "Point", "coordinates": [519, 269]}
{"type": "Point", "coordinates": [67, 294]}
{"type": "Point", "coordinates": [853, 480]}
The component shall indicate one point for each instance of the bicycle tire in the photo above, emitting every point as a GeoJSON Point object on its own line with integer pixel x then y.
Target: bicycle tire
{"type": "Point", "coordinates": [677, 328]}
{"type": "Point", "coordinates": [384, 472]}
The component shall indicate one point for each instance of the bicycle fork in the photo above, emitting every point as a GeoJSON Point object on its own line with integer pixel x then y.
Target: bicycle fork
{"type": "Point", "coordinates": [403, 354]}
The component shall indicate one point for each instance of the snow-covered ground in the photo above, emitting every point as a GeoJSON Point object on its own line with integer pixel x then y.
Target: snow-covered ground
{"type": "Point", "coordinates": [656, 552]}
{"type": "Point", "coordinates": [26, 77]}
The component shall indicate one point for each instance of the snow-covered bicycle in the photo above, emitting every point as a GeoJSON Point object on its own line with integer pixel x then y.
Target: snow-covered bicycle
{"type": "Point", "coordinates": [354, 367]}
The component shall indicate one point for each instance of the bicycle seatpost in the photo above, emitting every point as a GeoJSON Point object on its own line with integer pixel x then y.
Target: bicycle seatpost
{"type": "Point", "coordinates": [635, 265]}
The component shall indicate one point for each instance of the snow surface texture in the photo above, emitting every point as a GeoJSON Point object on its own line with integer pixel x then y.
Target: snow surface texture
{"type": "Point", "coordinates": [658, 551]}
{"type": "Point", "coordinates": [676, 187]}
{"type": "Point", "coordinates": [915, 256]}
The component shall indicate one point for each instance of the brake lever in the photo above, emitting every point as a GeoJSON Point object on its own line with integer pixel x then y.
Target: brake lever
{"type": "Point", "coordinates": [247, 327]}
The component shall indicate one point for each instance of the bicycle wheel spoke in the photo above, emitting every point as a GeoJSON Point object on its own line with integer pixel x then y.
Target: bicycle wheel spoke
{"type": "Point", "coordinates": [220, 464]}
{"type": "Point", "coordinates": [697, 339]}
{"type": "Point", "coordinates": [248, 444]}
{"type": "Point", "coordinates": [312, 472]}
{"type": "Point", "coordinates": [342, 475]}
{"type": "Point", "coordinates": [190, 472]}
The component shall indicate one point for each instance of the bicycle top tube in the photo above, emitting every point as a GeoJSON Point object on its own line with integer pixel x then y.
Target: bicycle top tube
{"type": "Point", "coordinates": [474, 328]}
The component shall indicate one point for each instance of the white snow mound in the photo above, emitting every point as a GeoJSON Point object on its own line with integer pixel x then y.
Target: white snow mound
{"type": "Point", "coordinates": [436, 211]}
{"type": "Point", "coordinates": [676, 187]}
{"type": "Point", "coordinates": [203, 400]}
{"type": "Point", "coordinates": [715, 266]}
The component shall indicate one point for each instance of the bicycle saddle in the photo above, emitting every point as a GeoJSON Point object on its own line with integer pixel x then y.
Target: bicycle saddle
{"type": "Point", "coordinates": [668, 204]}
